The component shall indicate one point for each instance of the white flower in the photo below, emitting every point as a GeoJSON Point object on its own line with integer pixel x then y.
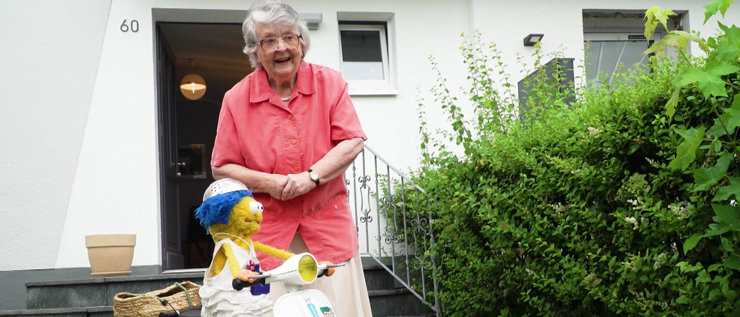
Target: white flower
{"type": "Point", "coordinates": [660, 260]}
{"type": "Point", "coordinates": [629, 265]}
{"type": "Point", "coordinates": [633, 221]}
{"type": "Point", "coordinates": [679, 210]}
{"type": "Point", "coordinates": [593, 131]}
{"type": "Point", "coordinates": [635, 202]}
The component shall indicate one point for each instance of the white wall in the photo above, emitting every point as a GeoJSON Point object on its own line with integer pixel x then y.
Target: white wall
{"type": "Point", "coordinates": [78, 96]}
{"type": "Point", "coordinates": [48, 62]}
{"type": "Point", "coordinates": [116, 187]}
{"type": "Point", "coordinates": [506, 23]}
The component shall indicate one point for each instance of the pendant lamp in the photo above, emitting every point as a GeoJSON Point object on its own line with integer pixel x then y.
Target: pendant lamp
{"type": "Point", "coordinates": [192, 86]}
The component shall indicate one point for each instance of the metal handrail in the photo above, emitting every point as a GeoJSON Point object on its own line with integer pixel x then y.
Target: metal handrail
{"type": "Point", "coordinates": [376, 191]}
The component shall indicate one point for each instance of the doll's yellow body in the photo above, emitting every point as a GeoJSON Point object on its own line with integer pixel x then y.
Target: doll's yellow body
{"type": "Point", "coordinates": [242, 223]}
{"type": "Point", "coordinates": [232, 215]}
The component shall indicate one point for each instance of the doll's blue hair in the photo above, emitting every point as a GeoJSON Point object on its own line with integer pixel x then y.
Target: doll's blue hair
{"type": "Point", "coordinates": [217, 209]}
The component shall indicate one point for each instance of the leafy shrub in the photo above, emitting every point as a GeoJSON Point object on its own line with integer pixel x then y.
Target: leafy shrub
{"type": "Point", "coordinates": [620, 203]}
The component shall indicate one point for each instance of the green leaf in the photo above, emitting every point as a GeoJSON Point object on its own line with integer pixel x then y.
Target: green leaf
{"type": "Point", "coordinates": [714, 294]}
{"type": "Point", "coordinates": [677, 39]}
{"type": "Point", "coordinates": [729, 119]}
{"type": "Point", "coordinates": [708, 79]}
{"type": "Point", "coordinates": [691, 242]}
{"type": "Point", "coordinates": [726, 48]}
{"type": "Point", "coordinates": [712, 7]}
{"type": "Point", "coordinates": [703, 277]}
{"type": "Point", "coordinates": [654, 16]}
{"type": "Point", "coordinates": [682, 300]}
{"type": "Point", "coordinates": [706, 177]}
{"type": "Point", "coordinates": [729, 191]}
{"type": "Point", "coordinates": [686, 151]}
{"type": "Point", "coordinates": [670, 106]}
{"type": "Point", "coordinates": [721, 69]}
{"type": "Point", "coordinates": [718, 128]}
{"type": "Point", "coordinates": [732, 262]}
{"type": "Point", "coordinates": [729, 216]}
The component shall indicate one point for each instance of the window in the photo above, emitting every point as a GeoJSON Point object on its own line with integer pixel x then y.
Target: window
{"type": "Point", "coordinates": [614, 42]}
{"type": "Point", "coordinates": [609, 57]}
{"type": "Point", "coordinates": [365, 60]}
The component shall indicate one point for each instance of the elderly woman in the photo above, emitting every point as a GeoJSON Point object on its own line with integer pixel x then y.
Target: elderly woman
{"type": "Point", "coordinates": [288, 131]}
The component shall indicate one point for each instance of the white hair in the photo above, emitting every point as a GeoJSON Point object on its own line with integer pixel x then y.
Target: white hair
{"type": "Point", "coordinates": [272, 13]}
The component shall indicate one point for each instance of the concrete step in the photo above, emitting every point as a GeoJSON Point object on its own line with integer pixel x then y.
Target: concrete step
{"type": "Point", "coordinates": [94, 296]}
{"type": "Point", "coordinates": [94, 292]}
{"type": "Point", "coordinates": [396, 303]}
{"type": "Point", "coordinates": [96, 311]}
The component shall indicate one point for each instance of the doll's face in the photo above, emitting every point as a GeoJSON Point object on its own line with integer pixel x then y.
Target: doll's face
{"type": "Point", "coordinates": [244, 220]}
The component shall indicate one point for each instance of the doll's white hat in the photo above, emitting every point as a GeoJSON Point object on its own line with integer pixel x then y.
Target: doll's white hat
{"type": "Point", "coordinates": [222, 186]}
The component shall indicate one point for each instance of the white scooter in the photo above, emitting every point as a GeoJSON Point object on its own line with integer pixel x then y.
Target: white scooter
{"type": "Point", "coordinates": [296, 271]}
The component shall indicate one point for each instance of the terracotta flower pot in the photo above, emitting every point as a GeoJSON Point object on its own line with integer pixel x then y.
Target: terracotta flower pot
{"type": "Point", "coordinates": [110, 254]}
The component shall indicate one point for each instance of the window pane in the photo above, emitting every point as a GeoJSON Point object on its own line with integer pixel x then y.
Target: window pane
{"type": "Point", "coordinates": [632, 55]}
{"type": "Point", "coordinates": [605, 58]}
{"type": "Point", "coordinates": [593, 51]}
{"type": "Point", "coordinates": [362, 55]}
{"type": "Point", "coordinates": [361, 46]}
{"type": "Point", "coordinates": [363, 70]}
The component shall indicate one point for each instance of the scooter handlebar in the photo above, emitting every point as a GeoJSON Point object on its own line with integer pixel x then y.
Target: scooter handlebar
{"type": "Point", "coordinates": [324, 268]}
{"type": "Point", "coordinates": [297, 270]}
{"type": "Point", "coordinates": [238, 284]}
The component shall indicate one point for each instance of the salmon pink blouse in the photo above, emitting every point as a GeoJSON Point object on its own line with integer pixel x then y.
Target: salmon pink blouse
{"type": "Point", "coordinates": [258, 130]}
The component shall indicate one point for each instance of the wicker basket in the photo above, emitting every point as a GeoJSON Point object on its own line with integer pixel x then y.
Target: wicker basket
{"type": "Point", "coordinates": [179, 296]}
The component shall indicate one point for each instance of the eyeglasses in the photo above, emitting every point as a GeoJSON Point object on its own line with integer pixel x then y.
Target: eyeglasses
{"type": "Point", "coordinates": [271, 43]}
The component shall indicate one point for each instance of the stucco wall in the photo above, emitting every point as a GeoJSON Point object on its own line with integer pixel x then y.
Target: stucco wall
{"type": "Point", "coordinates": [48, 63]}
{"type": "Point", "coordinates": [79, 124]}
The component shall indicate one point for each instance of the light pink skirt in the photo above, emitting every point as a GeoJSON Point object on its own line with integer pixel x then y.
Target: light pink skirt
{"type": "Point", "coordinates": [345, 289]}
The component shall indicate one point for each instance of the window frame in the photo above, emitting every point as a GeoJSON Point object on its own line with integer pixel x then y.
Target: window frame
{"type": "Point", "coordinates": [387, 85]}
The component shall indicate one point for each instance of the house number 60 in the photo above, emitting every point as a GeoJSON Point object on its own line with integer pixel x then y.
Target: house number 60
{"type": "Point", "coordinates": [132, 26]}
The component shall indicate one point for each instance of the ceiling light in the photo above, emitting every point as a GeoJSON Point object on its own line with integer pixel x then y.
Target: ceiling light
{"type": "Point", "coordinates": [193, 87]}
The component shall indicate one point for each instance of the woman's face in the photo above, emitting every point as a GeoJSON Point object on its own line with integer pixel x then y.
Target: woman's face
{"type": "Point", "coordinates": [281, 62]}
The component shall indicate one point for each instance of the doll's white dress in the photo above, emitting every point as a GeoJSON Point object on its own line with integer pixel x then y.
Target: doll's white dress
{"type": "Point", "coordinates": [218, 297]}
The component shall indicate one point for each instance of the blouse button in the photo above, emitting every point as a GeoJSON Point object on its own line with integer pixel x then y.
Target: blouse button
{"type": "Point", "coordinates": [290, 117]}
{"type": "Point", "coordinates": [293, 141]}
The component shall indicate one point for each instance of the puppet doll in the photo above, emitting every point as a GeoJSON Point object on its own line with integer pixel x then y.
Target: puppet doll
{"type": "Point", "coordinates": [232, 215]}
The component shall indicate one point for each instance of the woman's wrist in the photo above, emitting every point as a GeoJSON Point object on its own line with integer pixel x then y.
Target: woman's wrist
{"type": "Point", "coordinates": [314, 176]}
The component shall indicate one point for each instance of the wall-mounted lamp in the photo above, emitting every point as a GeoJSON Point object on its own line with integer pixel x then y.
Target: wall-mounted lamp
{"type": "Point", "coordinates": [193, 87]}
{"type": "Point", "coordinates": [533, 39]}
{"type": "Point", "coordinates": [312, 20]}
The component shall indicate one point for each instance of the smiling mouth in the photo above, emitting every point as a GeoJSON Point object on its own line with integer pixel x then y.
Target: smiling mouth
{"type": "Point", "coordinates": [282, 60]}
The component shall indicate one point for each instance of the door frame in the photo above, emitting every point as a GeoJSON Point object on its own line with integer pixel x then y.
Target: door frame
{"type": "Point", "coordinates": [167, 119]}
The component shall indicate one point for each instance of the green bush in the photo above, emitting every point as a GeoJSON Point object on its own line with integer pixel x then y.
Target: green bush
{"type": "Point", "coordinates": [620, 203]}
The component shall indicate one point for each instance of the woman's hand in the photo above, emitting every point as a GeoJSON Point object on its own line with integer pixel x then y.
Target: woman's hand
{"type": "Point", "coordinates": [296, 185]}
{"type": "Point", "coordinates": [277, 185]}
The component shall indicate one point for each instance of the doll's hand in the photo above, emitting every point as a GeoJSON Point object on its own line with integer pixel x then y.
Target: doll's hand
{"type": "Point", "coordinates": [245, 274]}
{"type": "Point", "coordinates": [329, 270]}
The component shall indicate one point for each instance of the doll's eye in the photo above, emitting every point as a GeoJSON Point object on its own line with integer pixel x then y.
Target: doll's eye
{"type": "Point", "coordinates": [255, 207]}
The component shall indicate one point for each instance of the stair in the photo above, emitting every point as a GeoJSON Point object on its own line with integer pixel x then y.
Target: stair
{"type": "Point", "coordinates": [90, 297]}
{"type": "Point", "coordinates": [94, 296]}
{"type": "Point", "coordinates": [389, 298]}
